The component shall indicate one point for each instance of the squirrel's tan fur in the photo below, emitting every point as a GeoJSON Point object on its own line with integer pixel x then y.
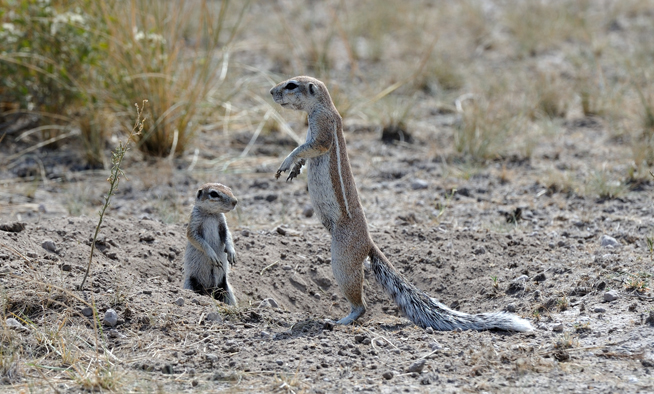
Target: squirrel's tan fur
{"type": "Point", "coordinates": [335, 198]}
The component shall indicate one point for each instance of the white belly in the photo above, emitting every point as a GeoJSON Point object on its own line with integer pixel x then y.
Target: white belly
{"type": "Point", "coordinates": [321, 191]}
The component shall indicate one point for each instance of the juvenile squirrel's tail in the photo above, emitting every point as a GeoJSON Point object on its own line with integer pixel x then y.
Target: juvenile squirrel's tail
{"type": "Point", "coordinates": [425, 311]}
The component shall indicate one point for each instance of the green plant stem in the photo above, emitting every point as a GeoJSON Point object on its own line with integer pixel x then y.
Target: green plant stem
{"type": "Point", "coordinates": [116, 160]}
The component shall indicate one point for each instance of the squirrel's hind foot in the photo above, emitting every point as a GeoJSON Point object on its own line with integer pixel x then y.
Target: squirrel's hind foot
{"type": "Point", "coordinates": [355, 313]}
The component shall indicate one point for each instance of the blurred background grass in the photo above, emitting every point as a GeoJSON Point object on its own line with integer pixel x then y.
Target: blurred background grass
{"type": "Point", "coordinates": [509, 72]}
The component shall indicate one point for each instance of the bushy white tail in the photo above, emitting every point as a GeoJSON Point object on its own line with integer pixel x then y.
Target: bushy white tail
{"type": "Point", "coordinates": [425, 311]}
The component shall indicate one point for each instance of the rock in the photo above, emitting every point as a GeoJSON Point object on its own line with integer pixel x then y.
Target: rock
{"type": "Point", "coordinates": [562, 355]}
{"type": "Point", "coordinates": [287, 231]}
{"type": "Point", "coordinates": [510, 308]}
{"type": "Point", "coordinates": [633, 307]}
{"type": "Point", "coordinates": [213, 317]}
{"type": "Point", "coordinates": [419, 184]}
{"type": "Point", "coordinates": [15, 324]}
{"type": "Point", "coordinates": [110, 318]}
{"type": "Point", "coordinates": [358, 338]}
{"type": "Point", "coordinates": [417, 366]}
{"type": "Point", "coordinates": [609, 242]}
{"type": "Point", "coordinates": [599, 309]}
{"type": "Point", "coordinates": [268, 303]}
{"type": "Point", "coordinates": [32, 255]}
{"type": "Point", "coordinates": [388, 375]}
{"type": "Point", "coordinates": [66, 267]}
{"type": "Point", "coordinates": [146, 237]}
{"type": "Point", "coordinates": [540, 277]}
{"type": "Point", "coordinates": [88, 311]}
{"type": "Point", "coordinates": [611, 295]}
{"type": "Point", "coordinates": [521, 278]}
{"type": "Point", "coordinates": [115, 334]}
{"type": "Point", "coordinates": [647, 363]}
{"type": "Point", "coordinates": [49, 245]}
{"type": "Point", "coordinates": [650, 319]}
{"type": "Point", "coordinates": [279, 362]}
{"type": "Point", "coordinates": [558, 327]}
{"type": "Point", "coordinates": [435, 345]}
{"type": "Point", "coordinates": [515, 287]}
{"type": "Point", "coordinates": [211, 357]}
{"type": "Point", "coordinates": [15, 227]}
{"type": "Point", "coordinates": [298, 282]}
{"type": "Point", "coordinates": [179, 301]}
{"type": "Point", "coordinates": [479, 250]}
{"type": "Point", "coordinates": [168, 369]}
{"type": "Point", "coordinates": [271, 197]}
{"type": "Point", "coordinates": [429, 330]}
{"type": "Point", "coordinates": [308, 211]}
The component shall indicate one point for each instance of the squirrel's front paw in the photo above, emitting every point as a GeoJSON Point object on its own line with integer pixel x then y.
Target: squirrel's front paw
{"type": "Point", "coordinates": [297, 168]}
{"type": "Point", "coordinates": [214, 259]}
{"type": "Point", "coordinates": [286, 165]}
{"type": "Point", "coordinates": [231, 256]}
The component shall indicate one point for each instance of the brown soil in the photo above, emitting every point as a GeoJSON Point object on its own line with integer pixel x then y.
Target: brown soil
{"type": "Point", "coordinates": [549, 267]}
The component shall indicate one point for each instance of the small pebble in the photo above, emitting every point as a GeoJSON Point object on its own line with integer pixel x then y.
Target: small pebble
{"type": "Point", "coordinates": [557, 327]}
{"type": "Point", "coordinates": [15, 324]}
{"type": "Point", "coordinates": [510, 308]}
{"type": "Point", "coordinates": [88, 311]}
{"type": "Point", "coordinates": [307, 211]}
{"type": "Point", "coordinates": [540, 277]}
{"type": "Point", "coordinates": [214, 317]}
{"type": "Point", "coordinates": [179, 301]}
{"type": "Point", "coordinates": [419, 184]}
{"type": "Point", "coordinates": [110, 318]}
{"type": "Point", "coordinates": [271, 302]}
{"type": "Point", "coordinates": [610, 242]}
{"type": "Point", "coordinates": [611, 295]}
{"type": "Point", "coordinates": [49, 245]}
{"type": "Point", "coordinates": [417, 366]}
{"type": "Point", "coordinates": [599, 310]}
{"type": "Point", "coordinates": [388, 375]}
{"type": "Point", "coordinates": [429, 330]}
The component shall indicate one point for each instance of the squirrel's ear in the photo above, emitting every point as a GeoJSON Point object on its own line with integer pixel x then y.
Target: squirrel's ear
{"type": "Point", "coordinates": [312, 89]}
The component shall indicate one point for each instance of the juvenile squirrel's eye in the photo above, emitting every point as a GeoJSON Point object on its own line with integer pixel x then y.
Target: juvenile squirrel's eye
{"type": "Point", "coordinates": [290, 86]}
{"type": "Point", "coordinates": [199, 193]}
{"type": "Point", "coordinates": [213, 194]}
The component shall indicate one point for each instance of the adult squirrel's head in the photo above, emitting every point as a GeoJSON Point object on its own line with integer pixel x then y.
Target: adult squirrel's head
{"type": "Point", "coordinates": [215, 198]}
{"type": "Point", "coordinates": [301, 93]}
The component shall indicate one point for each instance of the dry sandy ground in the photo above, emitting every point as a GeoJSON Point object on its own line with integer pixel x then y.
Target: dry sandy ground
{"type": "Point", "coordinates": [552, 267]}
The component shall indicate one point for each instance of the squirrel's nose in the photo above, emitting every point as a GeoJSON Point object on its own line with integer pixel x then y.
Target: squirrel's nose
{"type": "Point", "coordinates": [271, 90]}
{"type": "Point", "coordinates": [234, 201]}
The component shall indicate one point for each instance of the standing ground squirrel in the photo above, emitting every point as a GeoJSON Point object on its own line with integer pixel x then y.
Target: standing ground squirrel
{"type": "Point", "coordinates": [210, 248]}
{"type": "Point", "coordinates": [335, 198]}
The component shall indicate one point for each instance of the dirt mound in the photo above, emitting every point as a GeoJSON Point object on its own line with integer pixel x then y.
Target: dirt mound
{"type": "Point", "coordinates": [168, 337]}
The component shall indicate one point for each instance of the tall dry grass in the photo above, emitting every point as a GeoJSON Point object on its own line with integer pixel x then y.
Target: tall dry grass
{"type": "Point", "coordinates": [174, 54]}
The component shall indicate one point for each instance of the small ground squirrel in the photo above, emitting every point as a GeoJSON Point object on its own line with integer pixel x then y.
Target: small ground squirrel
{"type": "Point", "coordinates": [334, 196]}
{"type": "Point", "coordinates": [210, 248]}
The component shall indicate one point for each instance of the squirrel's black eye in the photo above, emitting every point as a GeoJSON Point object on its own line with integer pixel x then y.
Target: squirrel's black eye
{"type": "Point", "coordinates": [199, 193]}
{"type": "Point", "coordinates": [214, 194]}
{"type": "Point", "coordinates": [290, 86]}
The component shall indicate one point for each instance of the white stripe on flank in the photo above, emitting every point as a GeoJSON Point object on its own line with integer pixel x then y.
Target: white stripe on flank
{"type": "Point", "coordinates": [340, 173]}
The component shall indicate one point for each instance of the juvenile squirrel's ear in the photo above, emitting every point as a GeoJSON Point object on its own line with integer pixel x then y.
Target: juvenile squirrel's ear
{"type": "Point", "coordinates": [312, 89]}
